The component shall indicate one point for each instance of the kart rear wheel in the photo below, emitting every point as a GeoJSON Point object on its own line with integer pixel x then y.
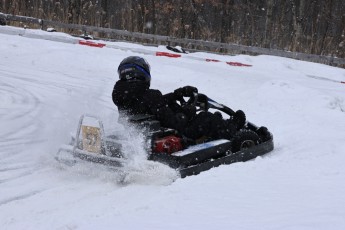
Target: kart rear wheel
{"type": "Point", "coordinates": [244, 139]}
{"type": "Point", "coordinates": [264, 134]}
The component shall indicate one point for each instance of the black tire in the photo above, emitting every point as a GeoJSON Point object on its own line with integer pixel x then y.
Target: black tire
{"type": "Point", "coordinates": [244, 139]}
{"type": "Point", "coordinates": [264, 134]}
{"type": "Point", "coordinates": [240, 119]}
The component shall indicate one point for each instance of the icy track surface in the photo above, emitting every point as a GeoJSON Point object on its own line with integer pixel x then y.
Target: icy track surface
{"type": "Point", "coordinates": [45, 86]}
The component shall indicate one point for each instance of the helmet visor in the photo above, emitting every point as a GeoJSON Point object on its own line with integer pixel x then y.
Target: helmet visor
{"type": "Point", "coordinates": [133, 72]}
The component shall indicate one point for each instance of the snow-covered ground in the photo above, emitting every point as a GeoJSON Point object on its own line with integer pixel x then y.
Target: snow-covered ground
{"type": "Point", "coordinates": [45, 86]}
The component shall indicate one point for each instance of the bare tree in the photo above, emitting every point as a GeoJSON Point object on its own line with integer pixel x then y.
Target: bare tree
{"type": "Point", "coordinates": [268, 24]}
{"type": "Point", "coordinates": [312, 26]}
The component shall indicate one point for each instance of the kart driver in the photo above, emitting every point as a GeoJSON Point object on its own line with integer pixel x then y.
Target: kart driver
{"type": "Point", "coordinates": [132, 95]}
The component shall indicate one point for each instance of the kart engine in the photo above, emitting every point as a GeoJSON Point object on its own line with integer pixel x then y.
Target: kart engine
{"type": "Point", "coordinates": [168, 144]}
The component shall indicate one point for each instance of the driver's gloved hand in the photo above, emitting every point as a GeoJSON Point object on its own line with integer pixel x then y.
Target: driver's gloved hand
{"type": "Point", "coordinates": [189, 111]}
{"type": "Point", "coordinates": [180, 121]}
{"type": "Point", "coordinates": [187, 91]}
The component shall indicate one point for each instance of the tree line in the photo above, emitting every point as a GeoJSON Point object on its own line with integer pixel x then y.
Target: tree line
{"type": "Point", "coordinates": [308, 26]}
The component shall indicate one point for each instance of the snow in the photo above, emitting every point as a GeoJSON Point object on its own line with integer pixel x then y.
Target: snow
{"type": "Point", "coordinates": [46, 85]}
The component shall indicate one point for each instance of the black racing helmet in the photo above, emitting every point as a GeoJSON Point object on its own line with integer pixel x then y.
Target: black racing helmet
{"type": "Point", "coordinates": [134, 68]}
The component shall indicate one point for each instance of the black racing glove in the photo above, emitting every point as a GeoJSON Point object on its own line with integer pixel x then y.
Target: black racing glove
{"type": "Point", "coordinates": [187, 91]}
{"type": "Point", "coordinates": [189, 111]}
{"type": "Point", "coordinates": [180, 122]}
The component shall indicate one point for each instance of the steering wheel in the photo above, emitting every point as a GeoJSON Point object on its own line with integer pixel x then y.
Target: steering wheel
{"type": "Point", "coordinates": [197, 100]}
{"type": "Point", "coordinates": [193, 100]}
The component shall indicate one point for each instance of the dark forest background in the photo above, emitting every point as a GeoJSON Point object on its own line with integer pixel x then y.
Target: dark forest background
{"type": "Point", "coordinates": [308, 26]}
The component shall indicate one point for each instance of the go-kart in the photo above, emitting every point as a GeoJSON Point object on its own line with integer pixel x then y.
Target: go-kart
{"type": "Point", "coordinates": [166, 145]}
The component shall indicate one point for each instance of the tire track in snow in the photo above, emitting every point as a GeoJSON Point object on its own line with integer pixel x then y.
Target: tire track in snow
{"type": "Point", "coordinates": [18, 110]}
{"type": "Point", "coordinates": [36, 104]}
{"type": "Point", "coordinates": [15, 98]}
{"type": "Point", "coordinates": [20, 106]}
{"type": "Point", "coordinates": [5, 169]}
{"type": "Point", "coordinates": [19, 197]}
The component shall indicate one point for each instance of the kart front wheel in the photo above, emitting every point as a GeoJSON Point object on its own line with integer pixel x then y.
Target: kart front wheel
{"type": "Point", "coordinates": [244, 139]}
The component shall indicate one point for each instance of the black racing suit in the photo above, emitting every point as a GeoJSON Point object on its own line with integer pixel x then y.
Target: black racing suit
{"type": "Point", "coordinates": [136, 98]}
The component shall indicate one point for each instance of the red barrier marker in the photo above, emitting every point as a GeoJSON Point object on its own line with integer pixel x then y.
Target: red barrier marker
{"type": "Point", "coordinates": [212, 60]}
{"type": "Point", "coordinates": [237, 64]}
{"type": "Point", "coordinates": [90, 43]}
{"type": "Point", "coordinates": [166, 54]}
{"type": "Point", "coordinates": [229, 63]}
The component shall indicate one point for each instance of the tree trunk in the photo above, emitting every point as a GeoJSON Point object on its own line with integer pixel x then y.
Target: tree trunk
{"type": "Point", "coordinates": [297, 15]}
{"type": "Point", "coordinates": [268, 24]}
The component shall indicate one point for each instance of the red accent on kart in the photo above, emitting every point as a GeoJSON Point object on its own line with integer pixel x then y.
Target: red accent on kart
{"type": "Point", "coordinates": [165, 54]}
{"type": "Point", "coordinates": [169, 144]}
